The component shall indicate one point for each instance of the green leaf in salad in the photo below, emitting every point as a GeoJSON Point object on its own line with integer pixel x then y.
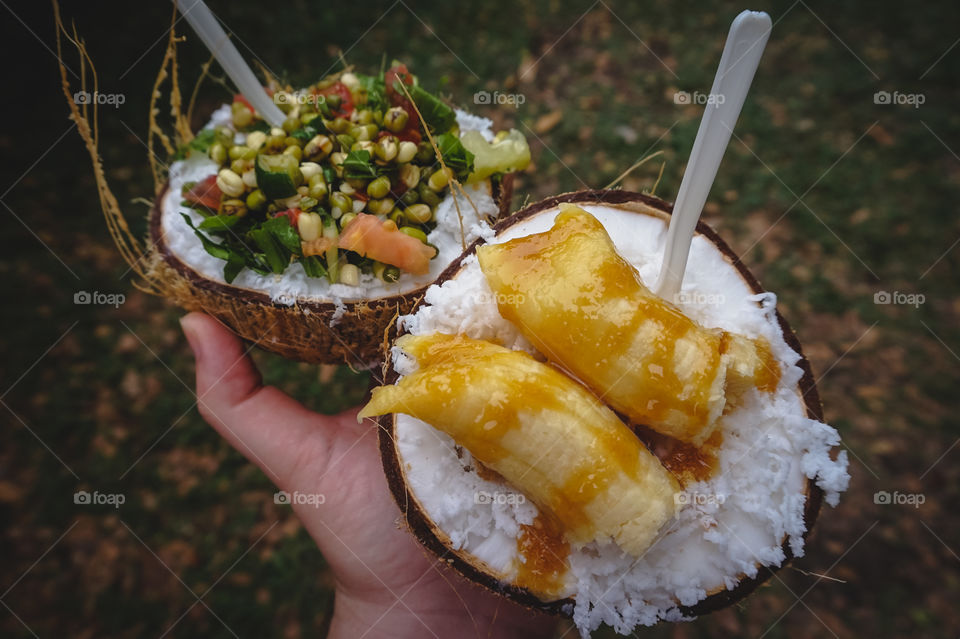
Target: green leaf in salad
{"type": "Point", "coordinates": [307, 131]}
{"type": "Point", "coordinates": [199, 208]}
{"type": "Point", "coordinates": [329, 175]}
{"type": "Point", "coordinates": [312, 266]}
{"type": "Point", "coordinates": [200, 144]}
{"type": "Point", "coordinates": [304, 134]}
{"type": "Point", "coordinates": [455, 155]}
{"type": "Point", "coordinates": [376, 91]}
{"type": "Point", "coordinates": [358, 165]}
{"type": "Point", "coordinates": [278, 176]}
{"type": "Point", "coordinates": [219, 223]}
{"type": "Point", "coordinates": [278, 241]}
{"type": "Point", "coordinates": [217, 250]}
{"type": "Point", "coordinates": [284, 233]}
{"type": "Point", "coordinates": [258, 125]}
{"type": "Point", "coordinates": [235, 264]}
{"type": "Point", "coordinates": [236, 254]}
{"type": "Point", "coordinates": [240, 252]}
{"type": "Point", "coordinates": [438, 115]}
{"type": "Point", "coordinates": [275, 254]}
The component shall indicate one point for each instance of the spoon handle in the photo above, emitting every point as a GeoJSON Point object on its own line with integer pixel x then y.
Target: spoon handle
{"type": "Point", "coordinates": [202, 20]}
{"type": "Point", "coordinates": [741, 55]}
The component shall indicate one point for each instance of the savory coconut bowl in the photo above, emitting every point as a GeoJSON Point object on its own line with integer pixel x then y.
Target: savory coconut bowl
{"type": "Point", "coordinates": [374, 215]}
{"type": "Point", "coordinates": [747, 502]}
{"type": "Point", "coordinates": [295, 317]}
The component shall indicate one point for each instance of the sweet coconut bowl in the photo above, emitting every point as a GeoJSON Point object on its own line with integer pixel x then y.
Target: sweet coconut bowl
{"type": "Point", "coordinates": [436, 483]}
{"type": "Point", "coordinates": [313, 329]}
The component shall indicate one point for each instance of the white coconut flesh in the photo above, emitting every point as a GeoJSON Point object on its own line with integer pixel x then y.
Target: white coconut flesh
{"type": "Point", "coordinates": [455, 230]}
{"type": "Point", "coordinates": [729, 525]}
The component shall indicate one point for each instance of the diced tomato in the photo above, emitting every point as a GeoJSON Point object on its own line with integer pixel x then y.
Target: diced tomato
{"type": "Point", "coordinates": [242, 100]}
{"type": "Point", "coordinates": [292, 214]}
{"type": "Point", "coordinates": [346, 98]}
{"type": "Point", "coordinates": [412, 132]}
{"type": "Point", "coordinates": [397, 98]}
{"type": "Point", "coordinates": [397, 187]}
{"type": "Point", "coordinates": [409, 134]}
{"type": "Point", "coordinates": [370, 237]}
{"type": "Point", "coordinates": [399, 73]}
{"type": "Point", "coordinates": [205, 193]}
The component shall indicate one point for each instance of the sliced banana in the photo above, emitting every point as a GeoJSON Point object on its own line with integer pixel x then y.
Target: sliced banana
{"type": "Point", "coordinates": [585, 308]}
{"type": "Point", "coordinates": [543, 432]}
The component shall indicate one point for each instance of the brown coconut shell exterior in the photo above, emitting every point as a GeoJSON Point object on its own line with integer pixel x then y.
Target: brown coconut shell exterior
{"type": "Point", "coordinates": [422, 526]}
{"type": "Point", "coordinates": [303, 330]}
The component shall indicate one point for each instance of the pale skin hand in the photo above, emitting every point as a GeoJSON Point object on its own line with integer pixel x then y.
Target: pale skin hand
{"type": "Point", "coordinates": [375, 563]}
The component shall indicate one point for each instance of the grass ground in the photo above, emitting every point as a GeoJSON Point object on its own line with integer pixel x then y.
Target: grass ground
{"type": "Point", "coordinates": [830, 197]}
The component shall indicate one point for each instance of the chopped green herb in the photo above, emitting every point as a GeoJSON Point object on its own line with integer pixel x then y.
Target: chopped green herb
{"type": "Point", "coordinates": [211, 247]}
{"type": "Point", "coordinates": [200, 144]}
{"type": "Point", "coordinates": [435, 112]}
{"type": "Point", "coordinates": [283, 231]}
{"type": "Point", "coordinates": [217, 223]}
{"type": "Point", "coordinates": [313, 267]}
{"type": "Point", "coordinates": [358, 166]}
{"type": "Point", "coordinates": [273, 251]}
{"type": "Point", "coordinates": [455, 155]}
{"type": "Point", "coordinates": [376, 91]}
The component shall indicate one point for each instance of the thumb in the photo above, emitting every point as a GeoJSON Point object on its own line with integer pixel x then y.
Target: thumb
{"type": "Point", "coordinates": [267, 426]}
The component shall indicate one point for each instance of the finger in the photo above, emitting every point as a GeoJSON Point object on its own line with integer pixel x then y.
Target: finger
{"type": "Point", "coordinates": [226, 376]}
{"type": "Point", "coordinates": [266, 425]}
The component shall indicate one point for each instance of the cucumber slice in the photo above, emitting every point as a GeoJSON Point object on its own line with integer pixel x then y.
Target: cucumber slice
{"type": "Point", "coordinates": [278, 176]}
{"type": "Point", "coordinates": [511, 153]}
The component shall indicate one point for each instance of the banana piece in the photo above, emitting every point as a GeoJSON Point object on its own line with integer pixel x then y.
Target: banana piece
{"type": "Point", "coordinates": [544, 433]}
{"type": "Point", "coordinates": [585, 308]}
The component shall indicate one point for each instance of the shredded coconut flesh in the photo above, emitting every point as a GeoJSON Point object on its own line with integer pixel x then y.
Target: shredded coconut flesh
{"type": "Point", "coordinates": [729, 524]}
{"type": "Point", "coordinates": [293, 285]}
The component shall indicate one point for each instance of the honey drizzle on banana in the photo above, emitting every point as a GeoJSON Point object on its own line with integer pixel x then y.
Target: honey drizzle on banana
{"type": "Point", "coordinates": [615, 303]}
{"type": "Point", "coordinates": [542, 545]}
{"type": "Point", "coordinates": [768, 374]}
{"type": "Point", "coordinates": [545, 555]}
{"type": "Point", "coordinates": [520, 396]}
{"type": "Point", "coordinates": [586, 309]}
{"type": "Point", "coordinates": [499, 417]}
{"type": "Point", "coordinates": [686, 462]}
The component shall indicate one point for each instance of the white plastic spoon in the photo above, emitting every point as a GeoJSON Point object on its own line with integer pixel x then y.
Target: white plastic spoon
{"type": "Point", "coordinates": [205, 24]}
{"type": "Point", "coordinates": [741, 55]}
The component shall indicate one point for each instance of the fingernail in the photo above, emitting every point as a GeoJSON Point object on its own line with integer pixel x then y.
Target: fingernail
{"type": "Point", "coordinates": [188, 324]}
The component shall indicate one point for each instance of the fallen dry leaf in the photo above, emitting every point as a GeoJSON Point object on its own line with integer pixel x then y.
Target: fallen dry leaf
{"type": "Point", "coordinates": [547, 121]}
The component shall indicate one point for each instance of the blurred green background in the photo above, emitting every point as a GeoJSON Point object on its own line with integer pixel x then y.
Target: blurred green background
{"type": "Point", "coordinates": [830, 196]}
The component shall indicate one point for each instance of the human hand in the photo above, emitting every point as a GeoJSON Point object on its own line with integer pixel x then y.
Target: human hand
{"type": "Point", "coordinates": [386, 584]}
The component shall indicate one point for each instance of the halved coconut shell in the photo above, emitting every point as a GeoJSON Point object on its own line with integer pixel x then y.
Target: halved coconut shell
{"type": "Point", "coordinates": [301, 331]}
{"type": "Point", "coordinates": [436, 540]}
